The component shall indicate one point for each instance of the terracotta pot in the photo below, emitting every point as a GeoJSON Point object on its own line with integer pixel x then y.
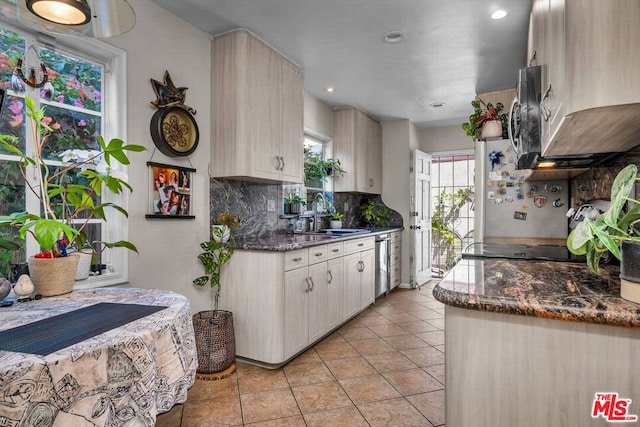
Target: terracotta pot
{"type": "Point", "coordinates": [53, 276]}
{"type": "Point", "coordinates": [630, 272]}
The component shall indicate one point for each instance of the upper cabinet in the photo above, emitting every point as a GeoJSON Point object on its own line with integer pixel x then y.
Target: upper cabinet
{"type": "Point", "coordinates": [590, 78]}
{"type": "Point", "coordinates": [257, 111]}
{"type": "Point", "coordinates": [357, 143]}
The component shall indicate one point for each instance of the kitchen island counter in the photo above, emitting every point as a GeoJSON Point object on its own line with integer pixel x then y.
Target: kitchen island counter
{"type": "Point", "coordinates": [552, 290]}
{"type": "Point", "coordinates": [291, 242]}
{"type": "Point", "coordinates": [534, 343]}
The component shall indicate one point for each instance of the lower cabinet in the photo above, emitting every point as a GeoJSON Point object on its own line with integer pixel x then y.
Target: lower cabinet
{"type": "Point", "coordinates": [283, 302]}
{"type": "Point", "coordinates": [395, 263]}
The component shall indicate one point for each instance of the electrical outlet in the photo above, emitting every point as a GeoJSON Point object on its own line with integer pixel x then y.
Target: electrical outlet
{"type": "Point", "coordinates": [345, 207]}
{"type": "Point", "coordinates": [271, 205]}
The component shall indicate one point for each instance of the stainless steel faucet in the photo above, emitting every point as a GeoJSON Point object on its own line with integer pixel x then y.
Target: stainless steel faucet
{"type": "Point", "coordinates": [317, 223]}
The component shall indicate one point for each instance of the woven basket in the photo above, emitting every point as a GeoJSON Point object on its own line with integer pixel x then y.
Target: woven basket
{"type": "Point", "coordinates": [215, 340]}
{"type": "Point", "coordinates": [53, 276]}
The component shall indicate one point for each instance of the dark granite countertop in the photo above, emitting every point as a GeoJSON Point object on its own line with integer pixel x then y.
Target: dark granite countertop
{"type": "Point", "coordinates": [291, 242]}
{"type": "Point", "coordinates": [548, 289]}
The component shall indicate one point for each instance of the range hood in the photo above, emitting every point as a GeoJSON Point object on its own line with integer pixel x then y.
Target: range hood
{"type": "Point", "coordinates": [533, 160]}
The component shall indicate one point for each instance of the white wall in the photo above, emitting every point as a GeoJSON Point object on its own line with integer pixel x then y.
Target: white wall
{"type": "Point", "coordinates": [434, 140]}
{"type": "Point", "coordinates": [168, 248]}
{"type": "Point", "coordinates": [398, 139]}
{"type": "Point", "coordinates": [318, 116]}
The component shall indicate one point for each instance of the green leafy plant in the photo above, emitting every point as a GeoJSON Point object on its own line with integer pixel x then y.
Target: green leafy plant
{"type": "Point", "coordinates": [443, 223]}
{"type": "Point", "coordinates": [215, 255]}
{"type": "Point", "coordinates": [375, 214]}
{"type": "Point", "coordinates": [594, 238]}
{"type": "Point", "coordinates": [225, 217]}
{"type": "Point", "coordinates": [482, 114]}
{"type": "Point", "coordinates": [317, 169]}
{"type": "Point", "coordinates": [68, 194]}
{"type": "Point", "coordinates": [336, 215]}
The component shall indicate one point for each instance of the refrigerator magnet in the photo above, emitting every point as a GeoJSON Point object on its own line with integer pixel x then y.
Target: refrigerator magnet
{"type": "Point", "coordinates": [540, 201]}
{"type": "Point", "coordinates": [520, 215]}
{"type": "Point", "coordinates": [491, 195]}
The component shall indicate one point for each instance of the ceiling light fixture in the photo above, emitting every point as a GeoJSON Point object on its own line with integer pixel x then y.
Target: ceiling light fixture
{"type": "Point", "coordinates": [330, 89]}
{"type": "Point", "coordinates": [499, 14]}
{"type": "Point", "coordinates": [64, 12]}
{"type": "Point", "coordinates": [393, 37]}
{"type": "Point", "coordinates": [437, 104]}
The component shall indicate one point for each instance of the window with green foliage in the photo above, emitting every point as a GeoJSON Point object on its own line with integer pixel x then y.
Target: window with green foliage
{"type": "Point", "coordinates": [73, 99]}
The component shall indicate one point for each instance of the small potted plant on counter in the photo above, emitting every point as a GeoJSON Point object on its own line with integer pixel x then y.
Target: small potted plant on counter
{"type": "Point", "coordinates": [68, 197]}
{"type": "Point", "coordinates": [292, 203]}
{"type": "Point", "coordinates": [618, 231]}
{"type": "Point", "coordinates": [336, 219]}
{"type": "Point", "coordinates": [486, 121]}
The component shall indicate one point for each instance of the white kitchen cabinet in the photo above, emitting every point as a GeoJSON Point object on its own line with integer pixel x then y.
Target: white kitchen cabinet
{"type": "Point", "coordinates": [284, 302]}
{"type": "Point", "coordinates": [358, 145]}
{"type": "Point", "coordinates": [588, 53]}
{"type": "Point", "coordinates": [257, 111]}
{"type": "Point", "coordinates": [395, 262]}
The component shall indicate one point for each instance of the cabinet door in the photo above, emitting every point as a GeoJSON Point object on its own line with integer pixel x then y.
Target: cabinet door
{"type": "Point", "coordinates": [296, 311]}
{"type": "Point", "coordinates": [363, 136]}
{"type": "Point", "coordinates": [556, 71]}
{"type": "Point", "coordinates": [292, 140]}
{"type": "Point", "coordinates": [367, 278]}
{"type": "Point", "coordinates": [318, 297]}
{"type": "Point", "coordinates": [344, 148]}
{"type": "Point", "coordinates": [374, 163]}
{"type": "Point", "coordinates": [263, 107]}
{"type": "Point", "coordinates": [335, 293]}
{"type": "Point", "coordinates": [351, 285]}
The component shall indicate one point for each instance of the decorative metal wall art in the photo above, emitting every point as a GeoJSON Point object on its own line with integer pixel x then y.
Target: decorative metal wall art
{"type": "Point", "coordinates": [173, 128]}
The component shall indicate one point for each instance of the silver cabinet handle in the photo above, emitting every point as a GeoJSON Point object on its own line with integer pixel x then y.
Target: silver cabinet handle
{"type": "Point", "coordinates": [362, 265]}
{"type": "Point", "coordinates": [297, 259]}
{"type": "Point", "coordinates": [318, 254]}
{"type": "Point", "coordinates": [330, 276]}
{"type": "Point", "coordinates": [335, 250]}
{"type": "Point", "coordinates": [360, 244]}
{"type": "Point", "coordinates": [277, 163]}
{"type": "Point", "coordinates": [544, 111]}
{"type": "Point", "coordinates": [282, 160]}
{"type": "Point", "coordinates": [312, 284]}
{"type": "Point", "coordinates": [370, 182]}
{"type": "Point", "coordinates": [306, 279]}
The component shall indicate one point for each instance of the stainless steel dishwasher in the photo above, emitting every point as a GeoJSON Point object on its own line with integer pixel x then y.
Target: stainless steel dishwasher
{"type": "Point", "coordinates": [383, 257]}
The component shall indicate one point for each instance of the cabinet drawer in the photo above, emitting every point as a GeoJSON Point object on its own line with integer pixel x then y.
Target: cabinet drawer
{"type": "Point", "coordinates": [395, 276]}
{"type": "Point", "coordinates": [395, 237]}
{"type": "Point", "coordinates": [296, 259]}
{"type": "Point", "coordinates": [395, 258]}
{"type": "Point", "coordinates": [335, 250]}
{"type": "Point", "coordinates": [395, 247]}
{"type": "Point", "coordinates": [317, 254]}
{"type": "Point", "coordinates": [359, 245]}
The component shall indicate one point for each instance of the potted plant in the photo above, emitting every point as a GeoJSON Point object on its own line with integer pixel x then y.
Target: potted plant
{"type": "Point", "coordinates": [292, 203]}
{"type": "Point", "coordinates": [618, 231]}
{"type": "Point", "coordinates": [68, 201]}
{"type": "Point", "coordinates": [375, 214]}
{"type": "Point", "coordinates": [336, 219]}
{"type": "Point", "coordinates": [215, 339]}
{"type": "Point", "coordinates": [332, 167]}
{"type": "Point", "coordinates": [225, 220]}
{"type": "Point", "coordinates": [317, 169]}
{"type": "Point", "coordinates": [486, 121]}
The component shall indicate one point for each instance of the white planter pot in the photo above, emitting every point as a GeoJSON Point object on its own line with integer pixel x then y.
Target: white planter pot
{"type": "Point", "coordinates": [220, 233]}
{"type": "Point", "coordinates": [492, 129]}
{"type": "Point", "coordinates": [336, 223]}
{"type": "Point", "coordinates": [84, 265]}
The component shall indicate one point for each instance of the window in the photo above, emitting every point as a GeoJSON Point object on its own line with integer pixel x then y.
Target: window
{"type": "Point", "coordinates": [76, 100]}
{"type": "Point", "coordinates": [316, 152]}
{"type": "Point", "coordinates": [452, 208]}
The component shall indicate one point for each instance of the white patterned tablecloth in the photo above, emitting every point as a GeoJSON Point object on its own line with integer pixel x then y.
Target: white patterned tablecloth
{"type": "Point", "coordinates": [123, 377]}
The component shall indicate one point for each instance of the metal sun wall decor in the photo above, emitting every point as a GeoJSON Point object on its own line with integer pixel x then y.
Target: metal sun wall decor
{"type": "Point", "coordinates": [173, 128]}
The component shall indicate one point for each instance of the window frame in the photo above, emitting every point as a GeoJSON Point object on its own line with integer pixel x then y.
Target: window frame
{"type": "Point", "coordinates": [114, 124]}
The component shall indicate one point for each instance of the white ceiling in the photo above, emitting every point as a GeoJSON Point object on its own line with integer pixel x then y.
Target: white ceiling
{"type": "Point", "coordinates": [453, 49]}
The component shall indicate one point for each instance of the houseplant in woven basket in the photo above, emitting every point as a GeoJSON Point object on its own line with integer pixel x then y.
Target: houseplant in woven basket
{"type": "Point", "coordinates": [617, 231]}
{"type": "Point", "coordinates": [486, 122]}
{"type": "Point", "coordinates": [215, 337]}
{"type": "Point", "coordinates": [68, 197]}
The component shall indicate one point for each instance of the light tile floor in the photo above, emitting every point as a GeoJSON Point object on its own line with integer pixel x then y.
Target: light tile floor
{"type": "Point", "coordinates": [383, 368]}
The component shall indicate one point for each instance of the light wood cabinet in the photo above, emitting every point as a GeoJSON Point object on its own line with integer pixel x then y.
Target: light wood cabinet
{"type": "Point", "coordinates": [358, 144]}
{"type": "Point", "coordinates": [590, 83]}
{"type": "Point", "coordinates": [395, 263]}
{"type": "Point", "coordinates": [257, 111]}
{"type": "Point", "coordinates": [284, 302]}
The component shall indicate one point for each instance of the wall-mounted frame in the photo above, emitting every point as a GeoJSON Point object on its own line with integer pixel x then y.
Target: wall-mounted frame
{"type": "Point", "coordinates": [170, 194]}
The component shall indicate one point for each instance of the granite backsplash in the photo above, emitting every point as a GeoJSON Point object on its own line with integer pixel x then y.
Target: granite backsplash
{"type": "Point", "coordinates": [595, 184]}
{"type": "Point", "coordinates": [250, 201]}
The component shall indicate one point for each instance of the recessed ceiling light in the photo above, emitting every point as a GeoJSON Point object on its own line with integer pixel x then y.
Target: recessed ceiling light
{"type": "Point", "coordinates": [330, 89]}
{"type": "Point", "coordinates": [438, 104]}
{"type": "Point", "coordinates": [393, 37]}
{"type": "Point", "coordinates": [499, 14]}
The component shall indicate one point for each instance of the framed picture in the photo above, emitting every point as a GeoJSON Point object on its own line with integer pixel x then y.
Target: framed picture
{"type": "Point", "coordinates": [170, 194]}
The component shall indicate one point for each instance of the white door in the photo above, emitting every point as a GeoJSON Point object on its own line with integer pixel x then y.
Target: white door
{"type": "Point", "coordinates": [421, 218]}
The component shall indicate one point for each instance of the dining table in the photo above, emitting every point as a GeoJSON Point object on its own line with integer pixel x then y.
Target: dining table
{"type": "Point", "coordinates": [111, 356]}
